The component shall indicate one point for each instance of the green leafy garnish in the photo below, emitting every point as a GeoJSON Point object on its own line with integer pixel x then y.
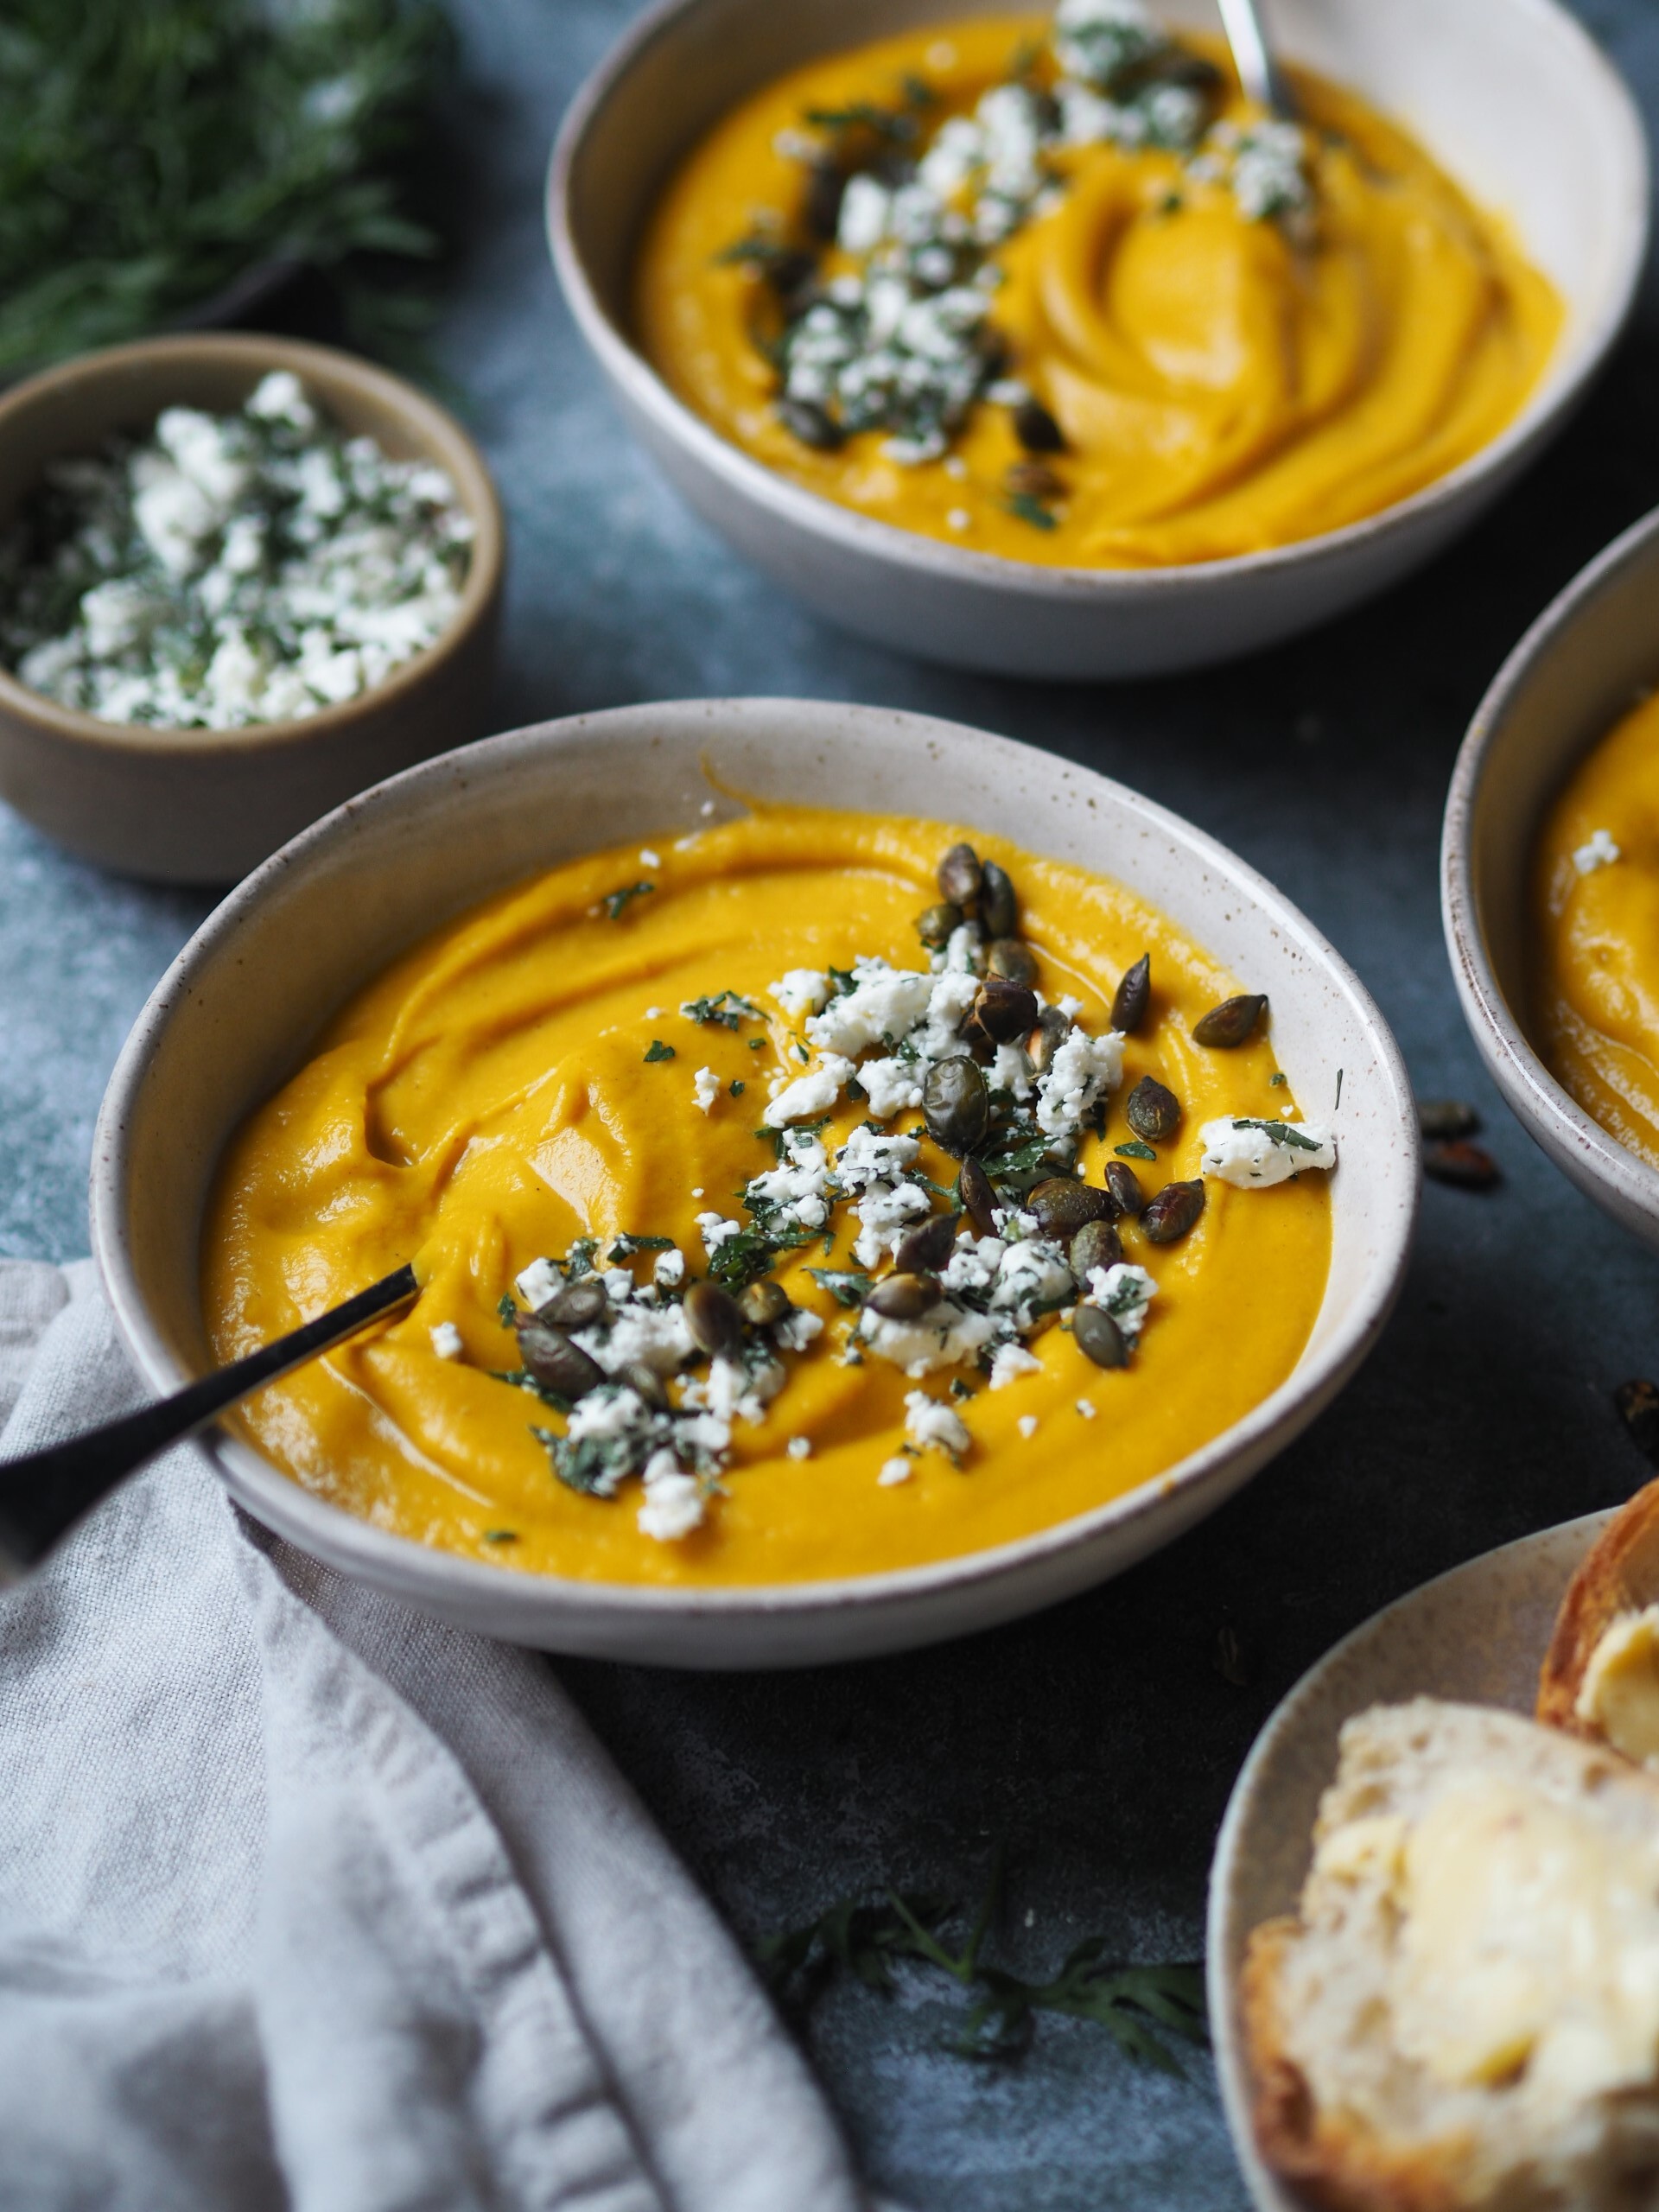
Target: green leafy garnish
{"type": "Point", "coordinates": [1277, 1078]}
{"type": "Point", "coordinates": [1024, 508]}
{"type": "Point", "coordinates": [579, 1260]}
{"type": "Point", "coordinates": [757, 1043]}
{"type": "Point", "coordinates": [500, 1535]}
{"type": "Point", "coordinates": [520, 1378]}
{"type": "Point", "coordinates": [726, 1010]}
{"type": "Point", "coordinates": [1139, 2006]}
{"type": "Point", "coordinates": [1279, 1133]}
{"type": "Point", "coordinates": [735, 1088]}
{"type": "Point", "coordinates": [658, 1051]}
{"type": "Point", "coordinates": [615, 902]}
{"type": "Point", "coordinates": [628, 1245]}
{"type": "Point", "coordinates": [845, 1285]}
{"type": "Point", "coordinates": [506, 1308]}
{"type": "Point", "coordinates": [157, 150]}
{"type": "Point", "coordinates": [1134, 1150]}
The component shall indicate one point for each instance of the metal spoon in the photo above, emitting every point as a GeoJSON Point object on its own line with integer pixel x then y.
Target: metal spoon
{"type": "Point", "coordinates": [44, 1493]}
{"type": "Point", "coordinates": [1258, 72]}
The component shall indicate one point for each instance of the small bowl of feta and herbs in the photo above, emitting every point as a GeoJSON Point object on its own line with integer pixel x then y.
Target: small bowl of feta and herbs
{"type": "Point", "coordinates": [240, 579]}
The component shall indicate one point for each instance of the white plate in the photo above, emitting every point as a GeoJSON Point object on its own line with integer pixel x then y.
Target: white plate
{"type": "Point", "coordinates": [237, 1013]}
{"type": "Point", "coordinates": [1478, 1633]}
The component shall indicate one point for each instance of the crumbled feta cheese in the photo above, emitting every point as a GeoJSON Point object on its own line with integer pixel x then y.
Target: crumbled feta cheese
{"type": "Point", "coordinates": [1125, 1291]}
{"type": "Point", "coordinates": [1599, 851]}
{"type": "Point", "coordinates": [1252, 1154]}
{"type": "Point", "coordinates": [885, 1211]}
{"type": "Point", "coordinates": [1083, 1069]}
{"type": "Point", "coordinates": [872, 1156]}
{"type": "Point", "coordinates": [883, 1006]}
{"type": "Point", "coordinates": [538, 1282]}
{"type": "Point", "coordinates": [795, 1193]}
{"type": "Point", "coordinates": [668, 1269]}
{"type": "Point", "coordinates": [799, 1448]}
{"type": "Point", "coordinates": [648, 859]}
{"type": "Point", "coordinates": [894, 1471]}
{"type": "Point", "coordinates": [889, 1086]}
{"type": "Point", "coordinates": [1085, 1409]}
{"type": "Point", "coordinates": [446, 1340]}
{"type": "Point", "coordinates": [945, 1337]}
{"type": "Point", "coordinates": [716, 1229]}
{"type": "Point", "coordinates": [653, 1336]}
{"type": "Point", "coordinates": [1009, 1361]}
{"type": "Point", "coordinates": [1026, 1426]}
{"type": "Point", "coordinates": [802, 990]}
{"type": "Point", "coordinates": [815, 1092]}
{"type": "Point", "coordinates": [927, 1421]}
{"type": "Point", "coordinates": [796, 1330]}
{"type": "Point", "coordinates": [673, 1502]}
{"type": "Point", "coordinates": [706, 1088]}
{"type": "Point", "coordinates": [1031, 1274]}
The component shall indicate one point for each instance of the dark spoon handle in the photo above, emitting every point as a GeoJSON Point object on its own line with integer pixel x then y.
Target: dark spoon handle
{"type": "Point", "coordinates": [43, 1495]}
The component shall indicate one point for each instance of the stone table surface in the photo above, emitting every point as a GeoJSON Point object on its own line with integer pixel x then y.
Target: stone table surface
{"type": "Point", "coordinates": [1098, 1740]}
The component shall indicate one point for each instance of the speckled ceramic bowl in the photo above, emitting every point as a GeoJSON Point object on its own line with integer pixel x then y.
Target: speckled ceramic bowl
{"type": "Point", "coordinates": [1511, 97]}
{"type": "Point", "coordinates": [1476, 1634]}
{"type": "Point", "coordinates": [1583, 664]}
{"type": "Point", "coordinates": [238, 1010]}
{"type": "Point", "coordinates": [203, 805]}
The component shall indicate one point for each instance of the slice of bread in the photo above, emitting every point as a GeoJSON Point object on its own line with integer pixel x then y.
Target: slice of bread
{"type": "Point", "coordinates": [1465, 2011]}
{"type": "Point", "coordinates": [1618, 1577]}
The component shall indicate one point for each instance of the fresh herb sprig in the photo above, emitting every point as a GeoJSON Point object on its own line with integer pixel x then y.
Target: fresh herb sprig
{"type": "Point", "coordinates": [1141, 2007]}
{"type": "Point", "coordinates": [157, 149]}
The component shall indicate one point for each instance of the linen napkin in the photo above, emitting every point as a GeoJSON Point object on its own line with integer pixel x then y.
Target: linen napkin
{"type": "Point", "coordinates": [306, 1900]}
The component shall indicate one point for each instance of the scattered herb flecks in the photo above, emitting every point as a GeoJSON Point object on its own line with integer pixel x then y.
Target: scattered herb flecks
{"type": "Point", "coordinates": [616, 902]}
{"type": "Point", "coordinates": [1279, 1133]}
{"type": "Point", "coordinates": [735, 1087]}
{"type": "Point", "coordinates": [725, 1010]}
{"type": "Point", "coordinates": [500, 1535]}
{"type": "Point", "coordinates": [658, 1051]}
{"type": "Point", "coordinates": [1277, 1078]}
{"type": "Point", "coordinates": [1135, 1150]}
{"type": "Point", "coordinates": [1139, 2006]}
{"type": "Point", "coordinates": [628, 1245]}
{"type": "Point", "coordinates": [845, 1285]}
{"type": "Point", "coordinates": [1024, 507]}
{"type": "Point", "coordinates": [506, 1309]}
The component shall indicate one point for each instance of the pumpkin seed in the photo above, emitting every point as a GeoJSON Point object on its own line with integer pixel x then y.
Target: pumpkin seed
{"type": "Point", "coordinates": [1062, 1205]}
{"type": "Point", "coordinates": [1125, 1186]}
{"type": "Point", "coordinates": [1231, 1022]}
{"type": "Point", "coordinates": [1152, 1111]}
{"type": "Point", "coordinates": [1467, 1166]}
{"type": "Point", "coordinates": [1036, 429]}
{"type": "Point", "coordinates": [903, 1298]}
{"type": "Point", "coordinates": [1174, 1211]}
{"type": "Point", "coordinates": [805, 420]}
{"type": "Point", "coordinates": [998, 908]}
{"type": "Point", "coordinates": [959, 875]}
{"type": "Point", "coordinates": [1133, 995]}
{"type": "Point", "coordinates": [1011, 959]}
{"type": "Point", "coordinates": [1447, 1117]}
{"type": "Point", "coordinates": [557, 1363]}
{"type": "Point", "coordinates": [978, 1197]}
{"type": "Point", "coordinates": [1098, 1336]}
{"type": "Point", "coordinates": [578, 1306]}
{"type": "Point", "coordinates": [714, 1320]}
{"type": "Point", "coordinates": [934, 925]}
{"type": "Point", "coordinates": [646, 1382]}
{"type": "Point", "coordinates": [1002, 1013]}
{"type": "Point", "coordinates": [1053, 1029]}
{"type": "Point", "coordinates": [1096, 1244]}
{"type": "Point", "coordinates": [1034, 479]}
{"type": "Point", "coordinates": [925, 1249]}
{"type": "Point", "coordinates": [955, 1104]}
{"type": "Point", "coordinates": [764, 1303]}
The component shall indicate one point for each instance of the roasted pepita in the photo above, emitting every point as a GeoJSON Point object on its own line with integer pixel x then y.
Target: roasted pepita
{"type": "Point", "coordinates": [1231, 1022]}
{"type": "Point", "coordinates": [1151, 1110]}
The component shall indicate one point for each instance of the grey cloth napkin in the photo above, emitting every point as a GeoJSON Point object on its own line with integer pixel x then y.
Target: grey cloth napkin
{"type": "Point", "coordinates": [306, 1900]}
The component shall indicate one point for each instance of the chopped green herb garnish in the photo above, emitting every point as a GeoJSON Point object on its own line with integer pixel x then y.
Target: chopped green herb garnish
{"type": "Point", "coordinates": [1277, 1078]}
{"type": "Point", "coordinates": [579, 1260]}
{"type": "Point", "coordinates": [802, 1054]}
{"type": "Point", "coordinates": [845, 1285]}
{"type": "Point", "coordinates": [961, 1388]}
{"type": "Point", "coordinates": [506, 1309]}
{"type": "Point", "coordinates": [1024, 508]}
{"type": "Point", "coordinates": [616, 902]}
{"type": "Point", "coordinates": [1339, 1089]}
{"type": "Point", "coordinates": [500, 1535]}
{"type": "Point", "coordinates": [1281, 1134]}
{"type": "Point", "coordinates": [726, 1010]}
{"type": "Point", "coordinates": [757, 1043]}
{"type": "Point", "coordinates": [1134, 1150]}
{"type": "Point", "coordinates": [659, 1051]}
{"type": "Point", "coordinates": [735, 1088]}
{"type": "Point", "coordinates": [628, 1245]}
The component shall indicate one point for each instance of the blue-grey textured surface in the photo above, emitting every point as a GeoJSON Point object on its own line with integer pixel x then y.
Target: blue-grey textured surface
{"type": "Point", "coordinates": [1100, 1740]}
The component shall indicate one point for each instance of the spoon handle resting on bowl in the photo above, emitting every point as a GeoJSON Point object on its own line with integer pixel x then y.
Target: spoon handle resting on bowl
{"type": "Point", "coordinates": [45, 1493]}
{"type": "Point", "coordinates": [1260, 75]}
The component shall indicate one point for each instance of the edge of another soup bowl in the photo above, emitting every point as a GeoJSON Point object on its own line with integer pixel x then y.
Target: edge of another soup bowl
{"type": "Point", "coordinates": [238, 1010]}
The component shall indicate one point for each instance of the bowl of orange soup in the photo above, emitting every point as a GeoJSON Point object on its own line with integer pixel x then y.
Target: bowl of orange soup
{"type": "Point", "coordinates": [1024, 341]}
{"type": "Point", "coordinates": [842, 1223]}
{"type": "Point", "coordinates": [1550, 879]}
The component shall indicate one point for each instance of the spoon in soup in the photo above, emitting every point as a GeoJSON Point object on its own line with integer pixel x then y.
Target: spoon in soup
{"type": "Point", "coordinates": [44, 1493]}
{"type": "Point", "coordinates": [1262, 79]}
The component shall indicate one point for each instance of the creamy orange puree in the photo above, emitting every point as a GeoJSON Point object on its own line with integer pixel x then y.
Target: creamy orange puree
{"type": "Point", "coordinates": [489, 1100]}
{"type": "Point", "coordinates": [1596, 931]}
{"type": "Point", "coordinates": [1223, 385]}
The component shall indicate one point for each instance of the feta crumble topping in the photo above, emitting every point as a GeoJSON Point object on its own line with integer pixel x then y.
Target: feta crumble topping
{"type": "Point", "coordinates": [538, 1283]}
{"type": "Point", "coordinates": [929, 1421]}
{"type": "Point", "coordinates": [802, 990]}
{"type": "Point", "coordinates": [705, 1088]}
{"type": "Point", "coordinates": [1010, 1362]}
{"type": "Point", "coordinates": [230, 569]}
{"type": "Point", "coordinates": [894, 1471]}
{"type": "Point", "coordinates": [1026, 1426]}
{"type": "Point", "coordinates": [1254, 1154]}
{"type": "Point", "coordinates": [1599, 851]}
{"type": "Point", "coordinates": [673, 1502]}
{"type": "Point", "coordinates": [446, 1340]}
{"type": "Point", "coordinates": [799, 1448]}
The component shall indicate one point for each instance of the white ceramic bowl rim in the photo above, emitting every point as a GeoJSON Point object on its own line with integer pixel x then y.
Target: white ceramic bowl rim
{"type": "Point", "coordinates": [1562, 381]}
{"type": "Point", "coordinates": [1485, 1001]}
{"type": "Point", "coordinates": [339, 1532]}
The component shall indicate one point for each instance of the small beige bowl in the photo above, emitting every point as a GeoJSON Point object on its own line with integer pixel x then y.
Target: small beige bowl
{"type": "Point", "coordinates": [1582, 665]}
{"type": "Point", "coordinates": [238, 1011]}
{"type": "Point", "coordinates": [204, 806]}
{"type": "Point", "coordinates": [1510, 96]}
